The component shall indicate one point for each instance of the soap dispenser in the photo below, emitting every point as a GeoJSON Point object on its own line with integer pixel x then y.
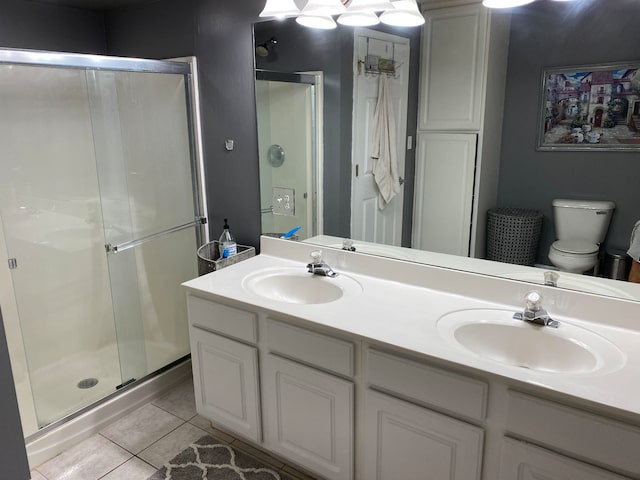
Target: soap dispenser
{"type": "Point", "coordinates": [226, 243]}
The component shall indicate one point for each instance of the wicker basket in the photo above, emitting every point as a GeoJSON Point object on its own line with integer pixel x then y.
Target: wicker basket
{"type": "Point", "coordinates": [209, 257]}
{"type": "Point", "coordinates": [513, 235]}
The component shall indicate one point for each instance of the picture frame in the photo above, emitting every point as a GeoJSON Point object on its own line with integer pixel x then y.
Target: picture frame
{"type": "Point", "coordinates": [590, 107]}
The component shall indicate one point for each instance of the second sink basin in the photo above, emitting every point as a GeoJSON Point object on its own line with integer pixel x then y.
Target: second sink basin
{"type": "Point", "coordinates": [494, 335]}
{"type": "Point", "coordinates": [297, 286]}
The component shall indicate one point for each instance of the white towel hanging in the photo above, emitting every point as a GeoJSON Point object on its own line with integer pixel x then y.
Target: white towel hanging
{"type": "Point", "coordinates": [384, 146]}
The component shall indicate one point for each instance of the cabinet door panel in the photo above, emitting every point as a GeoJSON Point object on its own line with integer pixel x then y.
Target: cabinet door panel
{"type": "Point", "coordinates": [521, 461]}
{"type": "Point", "coordinates": [225, 377]}
{"type": "Point", "coordinates": [443, 197]}
{"type": "Point", "coordinates": [407, 441]}
{"type": "Point", "coordinates": [452, 69]}
{"type": "Point", "coordinates": [309, 417]}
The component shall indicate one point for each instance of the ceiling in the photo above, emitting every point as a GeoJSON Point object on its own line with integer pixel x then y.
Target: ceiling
{"type": "Point", "coordinates": [94, 4]}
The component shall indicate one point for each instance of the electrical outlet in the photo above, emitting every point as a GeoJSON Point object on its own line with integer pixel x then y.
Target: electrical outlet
{"type": "Point", "coordinates": [284, 201]}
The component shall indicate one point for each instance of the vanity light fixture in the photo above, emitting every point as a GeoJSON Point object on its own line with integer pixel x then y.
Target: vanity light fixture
{"type": "Point", "coordinates": [359, 13]}
{"type": "Point", "coordinates": [280, 9]}
{"type": "Point", "coordinates": [505, 3]}
{"type": "Point", "coordinates": [358, 19]}
{"type": "Point", "coordinates": [405, 13]}
{"type": "Point", "coordinates": [323, 22]}
{"type": "Point", "coordinates": [323, 8]}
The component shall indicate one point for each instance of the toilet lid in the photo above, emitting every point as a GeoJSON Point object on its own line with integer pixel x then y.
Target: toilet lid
{"type": "Point", "coordinates": [575, 246]}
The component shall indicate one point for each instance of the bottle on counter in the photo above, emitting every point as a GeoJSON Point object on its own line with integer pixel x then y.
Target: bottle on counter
{"type": "Point", "coordinates": [227, 243]}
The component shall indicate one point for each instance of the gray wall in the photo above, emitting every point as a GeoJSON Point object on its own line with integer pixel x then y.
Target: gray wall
{"type": "Point", "coordinates": [550, 34]}
{"type": "Point", "coordinates": [47, 27]}
{"type": "Point", "coordinates": [13, 456]}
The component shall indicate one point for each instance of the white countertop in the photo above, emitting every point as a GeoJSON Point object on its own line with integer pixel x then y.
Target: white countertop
{"type": "Point", "coordinates": [402, 303]}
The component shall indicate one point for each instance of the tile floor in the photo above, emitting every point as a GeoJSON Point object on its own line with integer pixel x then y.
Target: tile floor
{"type": "Point", "coordinates": [137, 445]}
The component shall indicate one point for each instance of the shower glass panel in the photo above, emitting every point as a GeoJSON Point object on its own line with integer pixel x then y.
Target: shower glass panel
{"type": "Point", "coordinates": [143, 157]}
{"type": "Point", "coordinates": [100, 213]}
{"type": "Point", "coordinates": [49, 206]}
{"type": "Point", "coordinates": [285, 105]}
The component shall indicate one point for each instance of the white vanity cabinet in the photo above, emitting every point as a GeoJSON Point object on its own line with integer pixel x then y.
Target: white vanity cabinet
{"type": "Point", "coordinates": [407, 441]}
{"type": "Point", "coordinates": [225, 370]}
{"type": "Point", "coordinates": [309, 417]}
{"type": "Point", "coordinates": [563, 431]}
{"type": "Point", "coordinates": [462, 81]}
{"type": "Point", "coordinates": [225, 377]}
{"type": "Point", "coordinates": [403, 438]}
{"type": "Point", "coordinates": [286, 388]}
{"type": "Point", "coordinates": [344, 406]}
{"type": "Point", "coordinates": [523, 461]}
{"type": "Point", "coordinates": [308, 407]}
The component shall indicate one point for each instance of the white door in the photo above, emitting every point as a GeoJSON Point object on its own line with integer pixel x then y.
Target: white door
{"type": "Point", "coordinates": [443, 196]}
{"type": "Point", "coordinates": [368, 222]}
{"type": "Point", "coordinates": [404, 441]}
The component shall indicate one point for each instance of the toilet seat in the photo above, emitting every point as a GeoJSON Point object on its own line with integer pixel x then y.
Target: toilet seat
{"type": "Point", "coordinates": [575, 247]}
{"type": "Point", "coordinates": [575, 256]}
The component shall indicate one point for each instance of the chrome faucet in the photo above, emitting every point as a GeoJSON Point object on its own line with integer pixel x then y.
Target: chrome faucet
{"type": "Point", "coordinates": [534, 312]}
{"type": "Point", "coordinates": [318, 267]}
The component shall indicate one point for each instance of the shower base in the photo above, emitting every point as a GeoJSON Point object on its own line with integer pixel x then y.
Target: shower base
{"type": "Point", "coordinates": [55, 387]}
{"type": "Point", "coordinates": [57, 438]}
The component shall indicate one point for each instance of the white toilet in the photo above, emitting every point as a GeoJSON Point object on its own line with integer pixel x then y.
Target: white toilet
{"type": "Point", "coordinates": [580, 228]}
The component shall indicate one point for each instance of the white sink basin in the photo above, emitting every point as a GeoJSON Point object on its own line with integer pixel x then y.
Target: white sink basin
{"type": "Point", "coordinates": [297, 286]}
{"type": "Point", "coordinates": [494, 335]}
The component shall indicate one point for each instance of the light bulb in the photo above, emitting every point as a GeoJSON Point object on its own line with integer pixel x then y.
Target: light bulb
{"type": "Point", "coordinates": [369, 6]}
{"type": "Point", "coordinates": [280, 9]}
{"type": "Point", "coordinates": [323, 8]}
{"type": "Point", "coordinates": [323, 22]}
{"type": "Point", "coordinates": [358, 19]}
{"type": "Point", "coordinates": [405, 13]}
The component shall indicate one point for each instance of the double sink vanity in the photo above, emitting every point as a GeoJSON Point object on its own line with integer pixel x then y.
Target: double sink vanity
{"type": "Point", "coordinates": [393, 370]}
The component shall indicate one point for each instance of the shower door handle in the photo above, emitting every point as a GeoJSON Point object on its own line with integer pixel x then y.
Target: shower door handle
{"type": "Point", "coordinates": [139, 241]}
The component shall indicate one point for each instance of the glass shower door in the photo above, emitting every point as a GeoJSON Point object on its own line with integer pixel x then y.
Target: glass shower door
{"type": "Point", "coordinates": [149, 210]}
{"type": "Point", "coordinates": [54, 241]}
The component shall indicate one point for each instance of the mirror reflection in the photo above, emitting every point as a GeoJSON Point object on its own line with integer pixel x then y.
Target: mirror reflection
{"type": "Point", "coordinates": [467, 105]}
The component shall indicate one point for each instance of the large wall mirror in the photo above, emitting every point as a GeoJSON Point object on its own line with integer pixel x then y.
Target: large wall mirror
{"type": "Point", "coordinates": [544, 34]}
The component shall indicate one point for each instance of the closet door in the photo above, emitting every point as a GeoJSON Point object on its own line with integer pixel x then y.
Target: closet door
{"type": "Point", "coordinates": [452, 68]}
{"type": "Point", "coordinates": [443, 197]}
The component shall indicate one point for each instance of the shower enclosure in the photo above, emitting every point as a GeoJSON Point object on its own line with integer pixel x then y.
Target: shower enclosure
{"type": "Point", "coordinates": [100, 218]}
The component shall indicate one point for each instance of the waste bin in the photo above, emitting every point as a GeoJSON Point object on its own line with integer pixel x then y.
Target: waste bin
{"type": "Point", "coordinates": [616, 264]}
{"type": "Point", "coordinates": [513, 235]}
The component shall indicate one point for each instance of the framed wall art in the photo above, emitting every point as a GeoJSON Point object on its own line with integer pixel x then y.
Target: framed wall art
{"type": "Point", "coordinates": [593, 107]}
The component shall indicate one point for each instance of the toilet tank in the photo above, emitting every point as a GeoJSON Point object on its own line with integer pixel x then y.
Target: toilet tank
{"type": "Point", "coordinates": [582, 219]}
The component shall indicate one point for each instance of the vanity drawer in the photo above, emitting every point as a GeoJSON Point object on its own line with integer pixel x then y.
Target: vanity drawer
{"type": "Point", "coordinates": [316, 349]}
{"type": "Point", "coordinates": [428, 385]}
{"type": "Point", "coordinates": [230, 321]}
{"type": "Point", "coordinates": [594, 438]}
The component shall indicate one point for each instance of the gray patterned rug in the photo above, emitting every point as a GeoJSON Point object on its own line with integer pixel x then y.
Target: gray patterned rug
{"type": "Point", "coordinates": [208, 459]}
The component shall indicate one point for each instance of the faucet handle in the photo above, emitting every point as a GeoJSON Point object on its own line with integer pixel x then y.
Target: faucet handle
{"type": "Point", "coordinates": [551, 279]}
{"type": "Point", "coordinates": [533, 300]}
{"type": "Point", "coordinates": [316, 256]}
